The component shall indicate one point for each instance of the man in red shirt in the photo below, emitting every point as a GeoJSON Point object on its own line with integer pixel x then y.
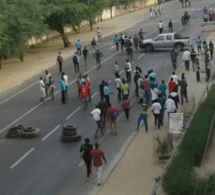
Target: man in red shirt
{"type": "Point", "coordinates": [88, 83]}
{"type": "Point", "coordinates": [84, 94]}
{"type": "Point", "coordinates": [97, 156]}
{"type": "Point", "coordinates": [172, 85]}
{"type": "Point", "coordinates": [112, 113]}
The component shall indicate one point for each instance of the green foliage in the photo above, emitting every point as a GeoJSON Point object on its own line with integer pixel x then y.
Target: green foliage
{"type": "Point", "coordinates": [179, 178]}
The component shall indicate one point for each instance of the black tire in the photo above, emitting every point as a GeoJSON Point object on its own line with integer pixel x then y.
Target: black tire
{"type": "Point", "coordinates": [75, 138]}
{"type": "Point", "coordinates": [12, 130]}
{"type": "Point", "coordinates": [20, 127]}
{"type": "Point", "coordinates": [30, 134]}
{"type": "Point", "coordinates": [68, 133]}
{"type": "Point", "coordinates": [12, 135]}
{"type": "Point", "coordinates": [148, 48]}
{"type": "Point", "coordinates": [30, 129]}
{"type": "Point", "coordinates": [179, 46]}
{"type": "Point", "coordinates": [69, 127]}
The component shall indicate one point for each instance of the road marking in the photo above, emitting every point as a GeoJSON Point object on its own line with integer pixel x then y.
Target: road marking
{"type": "Point", "coordinates": [114, 46]}
{"type": "Point", "coordinates": [167, 63]}
{"type": "Point", "coordinates": [18, 93]}
{"type": "Point", "coordinates": [77, 109]}
{"type": "Point", "coordinates": [50, 132]}
{"type": "Point", "coordinates": [94, 95]}
{"type": "Point", "coordinates": [141, 56]}
{"type": "Point", "coordinates": [24, 156]}
{"type": "Point", "coordinates": [121, 71]}
{"type": "Point", "coordinates": [20, 117]}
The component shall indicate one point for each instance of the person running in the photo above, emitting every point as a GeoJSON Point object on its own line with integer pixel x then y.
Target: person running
{"type": "Point", "coordinates": [99, 35]}
{"type": "Point", "coordinates": [60, 61]}
{"type": "Point", "coordinates": [85, 151]}
{"type": "Point", "coordinates": [78, 47]}
{"type": "Point", "coordinates": [97, 156]}
{"type": "Point", "coordinates": [112, 113]}
{"type": "Point", "coordinates": [98, 55]}
{"type": "Point", "coordinates": [63, 89]}
{"type": "Point", "coordinates": [65, 78]}
{"type": "Point", "coordinates": [84, 95]}
{"type": "Point", "coordinates": [85, 53]}
{"type": "Point", "coordinates": [93, 44]}
{"type": "Point", "coordinates": [143, 116]}
{"type": "Point", "coordinates": [42, 89]}
{"type": "Point", "coordinates": [75, 59]}
{"type": "Point", "coordinates": [97, 116]}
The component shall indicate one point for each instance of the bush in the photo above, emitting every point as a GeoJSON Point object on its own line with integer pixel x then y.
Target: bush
{"type": "Point", "coordinates": [179, 178]}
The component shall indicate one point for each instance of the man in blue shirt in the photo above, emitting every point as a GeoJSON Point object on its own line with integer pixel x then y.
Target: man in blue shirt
{"type": "Point", "coordinates": [63, 90]}
{"type": "Point", "coordinates": [78, 47]}
{"type": "Point", "coordinates": [116, 41]}
{"type": "Point", "coordinates": [199, 44]}
{"type": "Point", "coordinates": [106, 94]}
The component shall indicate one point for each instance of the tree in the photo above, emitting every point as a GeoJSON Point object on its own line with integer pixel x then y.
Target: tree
{"type": "Point", "coordinates": [112, 3]}
{"type": "Point", "coordinates": [19, 21]}
{"type": "Point", "coordinates": [64, 13]}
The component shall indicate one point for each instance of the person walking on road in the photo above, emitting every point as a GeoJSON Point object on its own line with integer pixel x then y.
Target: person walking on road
{"type": "Point", "coordinates": [42, 89]}
{"type": "Point", "coordinates": [84, 95]}
{"type": "Point", "coordinates": [112, 114]}
{"type": "Point", "coordinates": [101, 89]}
{"type": "Point", "coordinates": [116, 41]}
{"type": "Point", "coordinates": [146, 88]}
{"type": "Point", "coordinates": [60, 61]}
{"type": "Point", "coordinates": [116, 69]}
{"type": "Point", "coordinates": [126, 106]}
{"type": "Point", "coordinates": [88, 84]}
{"type": "Point", "coordinates": [85, 151]}
{"type": "Point", "coordinates": [199, 44]}
{"type": "Point", "coordinates": [97, 116]}
{"type": "Point", "coordinates": [143, 116]}
{"type": "Point", "coordinates": [65, 78]}
{"type": "Point", "coordinates": [159, 10]}
{"type": "Point", "coordinates": [128, 70]}
{"type": "Point", "coordinates": [150, 11]}
{"type": "Point", "coordinates": [193, 58]}
{"type": "Point", "coordinates": [170, 105]}
{"type": "Point", "coordinates": [208, 68]}
{"type": "Point", "coordinates": [211, 48]}
{"type": "Point", "coordinates": [80, 81]}
{"type": "Point", "coordinates": [93, 44]}
{"type": "Point", "coordinates": [46, 81]}
{"type": "Point", "coordinates": [136, 42]}
{"type": "Point", "coordinates": [97, 156]}
{"type": "Point", "coordinates": [173, 56]}
{"type": "Point", "coordinates": [172, 85]}
{"type": "Point", "coordinates": [63, 89]}
{"type": "Point", "coordinates": [162, 102]}
{"type": "Point", "coordinates": [75, 59]}
{"type": "Point", "coordinates": [163, 89]}
{"type": "Point", "coordinates": [156, 110]}
{"type": "Point", "coordinates": [160, 27]}
{"type": "Point", "coordinates": [85, 54]}
{"type": "Point", "coordinates": [118, 85]}
{"type": "Point", "coordinates": [102, 105]}
{"type": "Point", "coordinates": [156, 11]}
{"type": "Point", "coordinates": [170, 26]}
{"type": "Point", "coordinates": [183, 90]}
{"type": "Point", "coordinates": [107, 94]}
{"type": "Point", "coordinates": [186, 59]}
{"type": "Point", "coordinates": [122, 41]}
{"type": "Point", "coordinates": [98, 55]}
{"type": "Point", "coordinates": [141, 34]}
{"type": "Point", "coordinates": [99, 35]}
{"type": "Point", "coordinates": [78, 47]}
{"type": "Point", "coordinates": [52, 87]}
{"type": "Point", "coordinates": [124, 89]}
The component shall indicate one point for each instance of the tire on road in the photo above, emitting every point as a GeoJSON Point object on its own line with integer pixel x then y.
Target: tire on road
{"type": "Point", "coordinates": [69, 127]}
{"type": "Point", "coordinates": [148, 48]}
{"type": "Point", "coordinates": [75, 138]}
{"type": "Point", "coordinates": [12, 132]}
{"type": "Point", "coordinates": [29, 133]}
{"type": "Point", "coordinates": [29, 129]}
{"type": "Point", "coordinates": [68, 133]}
{"type": "Point", "coordinates": [20, 127]}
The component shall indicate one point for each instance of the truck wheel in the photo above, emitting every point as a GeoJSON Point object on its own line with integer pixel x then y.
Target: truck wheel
{"type": "Point", "coordinates": [148, 48]}
{"type": "Point", "coordinates": [179, 46]}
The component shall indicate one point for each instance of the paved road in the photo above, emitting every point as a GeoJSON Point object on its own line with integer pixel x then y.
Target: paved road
{"type": "Point", "coordinates": [45, 165]}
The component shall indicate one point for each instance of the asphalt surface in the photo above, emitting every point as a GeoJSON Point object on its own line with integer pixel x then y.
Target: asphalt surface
{"type": "Point", "coordinates": [45, 165]}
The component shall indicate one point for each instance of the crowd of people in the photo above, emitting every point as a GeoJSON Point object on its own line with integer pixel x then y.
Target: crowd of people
{"type": "Point", "coordinates": [166, 95]}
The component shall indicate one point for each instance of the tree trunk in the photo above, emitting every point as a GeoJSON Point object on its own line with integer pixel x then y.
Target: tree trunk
{"type": "Point", "coordinates": [91, 25]}
{"type": "Point", "coordinates": [0, 61]}
{"type": "Point", "coordinates": [21, 57]}
{"type": "Point", "coordinates": [111, 12]}
{"type": "Point", "coordinates": [64, 38]}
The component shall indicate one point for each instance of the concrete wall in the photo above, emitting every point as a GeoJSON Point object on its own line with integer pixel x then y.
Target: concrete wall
{"type": "Point", "coordinates": [117, 11]}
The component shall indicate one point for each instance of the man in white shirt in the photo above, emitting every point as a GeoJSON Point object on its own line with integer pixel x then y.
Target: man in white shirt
{"type": "Point", "coordinates": [118, 85]}
{"type": "Point", "coordinates": [170, 105]}
{"type": "Point", "coordinates": [42, 89]}
{"type": "Point", "coordinates": [154, 94]}
{"type": "Point", "coordinates": [65, 78]}
{"type": "Point", "coordinates": [186, 59]}
{"type": "Point", "coordinates": [160, 27]}
{"type": "Point", "coordinates": [99, 34]}
{"type": "Point", "coordinates": [97, 116]}
{"type": "Point", "coordinates": [46, 81]}
{"type": "Point", "coordinates": [128, 70]}
{"type": "Point", "coordinates": [156, 109]}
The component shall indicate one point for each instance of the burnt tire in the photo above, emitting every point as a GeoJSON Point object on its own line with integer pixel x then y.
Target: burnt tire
{"type": "Point", "coordinates": [69, 127]}
{"type": "Point", "coordinates": [148, 48]}
{"type": "Point", "coordinates": [12, 135]}
{"type": "Point", "coordinates": [68, 133]}
{"type": "Point", "coordinates": [75, 138]}
{"type": "Point", "coordinates": [29, 129]}
{"type": "Point", "coordinates": [30, 134]}
{"type": "Point", "coordinates": [12, 130]}
{"type": "Point", "coordinates": [20, 127]}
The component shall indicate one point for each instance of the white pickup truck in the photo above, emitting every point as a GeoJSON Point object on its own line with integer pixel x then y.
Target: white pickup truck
{"type": "Point", "coordinates": [165, 40]}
